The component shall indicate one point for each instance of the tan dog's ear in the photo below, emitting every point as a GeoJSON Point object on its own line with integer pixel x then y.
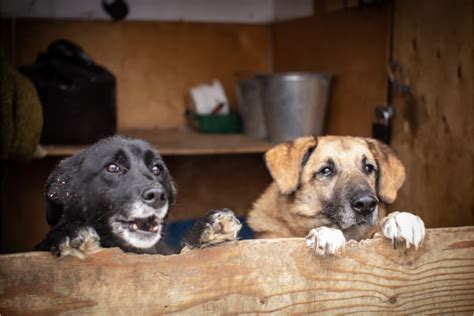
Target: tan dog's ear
{"type": "Point", "coordinates": [286, 161]}
{"type": "Point", "coordinates": [391, 174]}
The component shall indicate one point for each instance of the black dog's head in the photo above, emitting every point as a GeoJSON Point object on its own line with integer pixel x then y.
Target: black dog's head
{"type": "Point", "coordinates": [120, 187]}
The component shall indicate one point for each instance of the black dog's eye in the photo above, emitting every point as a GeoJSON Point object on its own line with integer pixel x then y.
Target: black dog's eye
{"type": "Point", "coordinates": [156, 170]}
{"type": "Point", "coordinates": [112, 168]}
{"type": "Point", "coordinates": [325, 172]}
{"type": "Point", "coordinates": [368, 168]}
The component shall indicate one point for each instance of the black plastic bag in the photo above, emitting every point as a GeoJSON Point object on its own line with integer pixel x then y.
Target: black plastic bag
{"type": "Point", "coordinates": [77, 96]}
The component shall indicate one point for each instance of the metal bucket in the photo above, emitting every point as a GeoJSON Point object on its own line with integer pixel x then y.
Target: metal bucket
{"type": "Point", "coordinates": [294, 104]}
{"type": "Point", "coordinates": [250, 108]}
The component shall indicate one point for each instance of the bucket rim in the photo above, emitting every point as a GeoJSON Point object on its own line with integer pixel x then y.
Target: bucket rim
{"type": "Point", "coordinates": [294, 75]}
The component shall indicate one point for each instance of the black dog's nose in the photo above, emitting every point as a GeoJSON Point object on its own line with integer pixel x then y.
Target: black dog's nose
{"type": "Point", "coordinates": [154, 197]}
{"type": "Point", "coordinates": [364, 204]}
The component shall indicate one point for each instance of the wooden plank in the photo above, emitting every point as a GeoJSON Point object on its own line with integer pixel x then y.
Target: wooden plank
{"type": "Point", "coordinates": [257, 276]}
{"type": "Point", "coordinates": [182, 142]}
{"type": "Point", "coordinates": [433, 131]}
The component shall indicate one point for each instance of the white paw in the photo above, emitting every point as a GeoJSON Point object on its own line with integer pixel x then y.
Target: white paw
{"type": "Point", "coordinates": [403, 226]}
{"type": "Point", "coordinates": [324, 240]}
{"type": "Point", "coordinates": [84, 243]}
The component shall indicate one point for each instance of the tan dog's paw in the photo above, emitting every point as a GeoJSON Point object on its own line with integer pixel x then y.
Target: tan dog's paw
{"type": "Point", "coordinates": [84, 243]}
{"type": "Point", "coordinates": [216, 227]}
{"type": "Point", "coordinates": [403, 226]}
{"type": "Point", "coordinates": [326, 241]}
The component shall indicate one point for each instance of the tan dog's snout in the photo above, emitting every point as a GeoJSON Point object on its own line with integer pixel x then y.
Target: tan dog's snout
{"type": "Point", "coordinates": [357, 195]}
{"type": "Point", "coordinates": [351, 203]}
{"type": "Point", "coordinates": [364, 204]}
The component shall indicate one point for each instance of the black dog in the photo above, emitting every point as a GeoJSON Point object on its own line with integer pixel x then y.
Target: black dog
{"type": "Point", "coordinates": [117, 193]}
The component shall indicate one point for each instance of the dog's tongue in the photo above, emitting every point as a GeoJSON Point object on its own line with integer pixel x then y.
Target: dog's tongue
{"type": "Point", "coordinates": [149, 224]}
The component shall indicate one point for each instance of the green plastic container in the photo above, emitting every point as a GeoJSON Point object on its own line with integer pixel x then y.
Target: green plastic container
{"type": "Point", "coordinates": [228, 123]}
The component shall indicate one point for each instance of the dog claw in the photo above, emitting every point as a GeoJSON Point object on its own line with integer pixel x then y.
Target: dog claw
{"type": "Point", "coordinates": [404, 226]}
{"type": "Point", "coordinates": [326, 241]}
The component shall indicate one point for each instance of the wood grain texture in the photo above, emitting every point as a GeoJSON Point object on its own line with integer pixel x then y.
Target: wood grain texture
{"type": "Point", "coordinates": [279, 276]}
{"type": "Point", "coordinates": [351, 44]}
{"type": "Point", "coordinates": [433, 131]}
{"type": "Point", "coordinates": [155, 62]}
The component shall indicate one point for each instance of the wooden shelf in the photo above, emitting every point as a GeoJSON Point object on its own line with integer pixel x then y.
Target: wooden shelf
{"type": "Point", "coordinates": [181, 142]}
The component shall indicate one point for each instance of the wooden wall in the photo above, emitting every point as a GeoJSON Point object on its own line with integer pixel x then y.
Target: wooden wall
{"type": "Point", "coordinates": [433, 129]}
{"type": "Point", "coordinates": [23, 210]}
{"type": "Point", "coordinates": [155, 63]}
{"type": "Point", "coordinates": [352, 44]}
{"type": "Point", "coordinates": [206, 182]}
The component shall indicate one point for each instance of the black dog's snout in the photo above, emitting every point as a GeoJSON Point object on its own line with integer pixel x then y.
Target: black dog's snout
{"type": "Point", "coordinates": [364, 204]}
{"type": "Point", "coordinates": [155, 197]}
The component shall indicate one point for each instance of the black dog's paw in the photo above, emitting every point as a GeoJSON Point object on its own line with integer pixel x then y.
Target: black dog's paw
{"type": "Point", "coordinates": [216, 227]}
{"type": "Point", "coordinates": [85, 242]}
{"type": "Point", "coordinates": [78, 242]}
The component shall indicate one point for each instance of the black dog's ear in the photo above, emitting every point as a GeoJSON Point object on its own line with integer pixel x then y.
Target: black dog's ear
{"type": "Point", "coordinates": [391, 173]}
{"type": "Point", "coordinates": [286, 161]}
{"type": "Point", "coordinates": [59, 187]}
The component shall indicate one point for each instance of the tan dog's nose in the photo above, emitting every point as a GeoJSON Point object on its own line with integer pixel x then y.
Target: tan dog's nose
{"type": "Point", "coordinates": [364, 204]}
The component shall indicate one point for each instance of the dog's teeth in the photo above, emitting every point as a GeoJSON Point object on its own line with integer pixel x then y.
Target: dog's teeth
{"type": "Point", "coordinates": [134, 226]}
{"type": "Point", "coordinates": [155, 228]}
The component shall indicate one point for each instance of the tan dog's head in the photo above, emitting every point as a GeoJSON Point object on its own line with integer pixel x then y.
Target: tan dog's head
{"type": "Point", "coordinates": [342, 179]}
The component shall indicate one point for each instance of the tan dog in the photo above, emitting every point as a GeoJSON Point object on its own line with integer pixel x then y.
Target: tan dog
{"type": "Point", "coordinates": [332, 189]}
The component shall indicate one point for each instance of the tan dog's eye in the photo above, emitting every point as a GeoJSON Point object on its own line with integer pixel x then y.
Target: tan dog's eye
{"type": "Point", "coordinates": [368, 168]}
{"type": "Point", "coordinates": [325, 172]}
{"type": "Point", "coordinates": [112, 168]}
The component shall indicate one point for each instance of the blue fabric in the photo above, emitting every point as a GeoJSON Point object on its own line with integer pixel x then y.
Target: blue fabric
{"type": "Point", "coordinates": [176, 231]}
